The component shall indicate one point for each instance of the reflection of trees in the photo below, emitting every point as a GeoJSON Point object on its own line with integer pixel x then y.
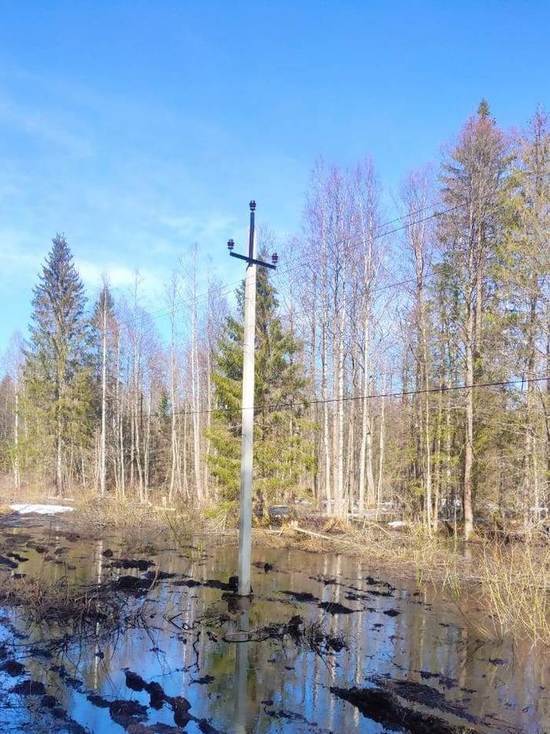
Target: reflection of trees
{"type": "Point", "coordinates": [418, 639]}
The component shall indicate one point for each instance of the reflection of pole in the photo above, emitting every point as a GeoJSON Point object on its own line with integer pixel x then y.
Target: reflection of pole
{"type": "Point", "coordinates": [99, 578]}
{"type": "Point", "coordinates": [241, 678]}
{"type": "Point", "coordinates": [247, 438]}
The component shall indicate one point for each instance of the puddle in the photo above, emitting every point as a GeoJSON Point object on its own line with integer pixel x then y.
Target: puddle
{"type": "Point", "coordinates": [323, 647]}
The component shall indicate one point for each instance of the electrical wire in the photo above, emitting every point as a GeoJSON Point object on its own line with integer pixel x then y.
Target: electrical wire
{"type": "Point", "coordinates": [227, 288]}
{"type": "Point", "coordinates": [308, 403]}
{"type": "Point", "coordinates": [371, 396]}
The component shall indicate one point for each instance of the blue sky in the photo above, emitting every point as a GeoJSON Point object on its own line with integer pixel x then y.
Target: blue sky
{"type": "Point", "coordinates": [138, 128]}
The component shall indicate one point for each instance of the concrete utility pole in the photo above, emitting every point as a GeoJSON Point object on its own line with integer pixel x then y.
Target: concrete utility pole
{"type": "Point", "coordinates": [102, 452]}
{"type": "Point", "coordinates": [247, 441]}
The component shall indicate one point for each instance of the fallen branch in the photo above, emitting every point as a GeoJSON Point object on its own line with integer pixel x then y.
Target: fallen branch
{"type": "Point", "coordinates": [311, 532]}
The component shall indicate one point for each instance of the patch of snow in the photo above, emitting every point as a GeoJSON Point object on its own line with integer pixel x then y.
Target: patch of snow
{"type": "Point", "coordinates": [397, 524]}
{"type": "Point", "coordinates": [27, 509]}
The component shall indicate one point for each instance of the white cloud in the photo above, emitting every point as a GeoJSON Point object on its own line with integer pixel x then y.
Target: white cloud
{"type": "Point", "coordinates": [41, 125]}
{"type": "Point", "coordinates": [197, 228]}
{"type": "Point", "coordinates": [16, 257]}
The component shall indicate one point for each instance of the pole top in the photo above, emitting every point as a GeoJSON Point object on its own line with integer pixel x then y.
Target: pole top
{"type": "Point", "coordinates": [252, 205]}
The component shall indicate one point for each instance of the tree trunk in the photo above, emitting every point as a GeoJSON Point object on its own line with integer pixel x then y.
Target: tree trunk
{"type": "Point", "coordinates": [59, 454]}
{"type": "Point", "coordinates": [339, 488]}
{"type": "Point", "coordinates": [326, 424]}
{"type": "Point", "coordinates": [381, 447]}
{"type": "Point", "coordinates": [120, 426]}
{"type": "Point", "coordinates": [366, 473]}
{"type": "Point", "coordinates": [195, 389]}
{"type": "Point", "coordinates": [469, 444]}
{"type": "Point", "coordinates": [16, 460]}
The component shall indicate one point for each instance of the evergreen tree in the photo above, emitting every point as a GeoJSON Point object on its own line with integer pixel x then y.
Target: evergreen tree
{"type": "Point", "coordinates": [474, 184]}
{"type": "Point", "coordinates": [524, 309]}
{"type": "Point", "coordinates": [57, 370]}
{"type": "Point", "coordinates": [484, 110]}
{"type": "Point", "coordinates": [282, 451]}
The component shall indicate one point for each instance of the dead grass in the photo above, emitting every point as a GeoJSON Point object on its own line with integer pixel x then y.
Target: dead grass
{"type": "Point", "coordinates": [126, 517]}
{"type": "Point", "coordinates": [514, 589]}
{"type": "Point", "coordinates": [337, 526]}
{"type": "Point", "coordinates": [59, 601]}
{"type": "Point", "coordinates": [411, 554]}
{"type": "Point", "coordinates": [31, 490]}
{"type": "Point", "coordinates": [500, 589]}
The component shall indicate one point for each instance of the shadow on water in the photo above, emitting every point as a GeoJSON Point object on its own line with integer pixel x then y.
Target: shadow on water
{"type": "Point", "coordinates": [322, 647]}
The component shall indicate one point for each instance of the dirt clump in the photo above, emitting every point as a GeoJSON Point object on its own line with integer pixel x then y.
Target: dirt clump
{"type": "Point", "coordinates": [334, 607]}
{"type": "Point", "coordinates": [138, 563]}
{"type": "Point", "coordinates": [49, 702]}
{"type": "Point", "coordinates": [180, 705]}
{"type": "Point", "coordinates": [383, 706]}
{"type": "Point", "coordinates": [97, 700]}
{"type": "Point", "coordinates": [126, 713]}
{"type": "Point", "coordinates": [301, 596]}
{"type": "Point", "coordinates": [29, 688]}
{"type": "Point", "coordinates": [13, 668]}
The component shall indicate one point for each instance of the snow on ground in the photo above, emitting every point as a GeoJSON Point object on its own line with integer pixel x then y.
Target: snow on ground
{"type": "Point", "coordinates": [27, 509]}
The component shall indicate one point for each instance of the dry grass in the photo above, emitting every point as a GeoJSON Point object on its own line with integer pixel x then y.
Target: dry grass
{"type": "Point", "coordinates": [60, 601]}
{"type": "Point", "coordinates": [411, 554]}
{"type": "Point", "coordinates": [514, 589]}
{"type": "Point", "coordinates": [501, 589]}
{"type": "Point", "coordinates": [337, 526]}
{"type": "Point", "coordinates": [31, 490]}
{"type": "Point", "coordinates": [509, 583]}
{"type": "Point", "coordinates": [65, 612]}
{"type": "Point", "coordinates": [116, 514]}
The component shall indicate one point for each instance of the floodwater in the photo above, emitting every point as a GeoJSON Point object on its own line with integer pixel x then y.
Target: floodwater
{"type": "Point", "coordinates": [184, 632]}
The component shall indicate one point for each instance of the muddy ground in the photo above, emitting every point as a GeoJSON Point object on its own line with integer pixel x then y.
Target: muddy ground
{"type": "Point", "coordinates": [112, 634]}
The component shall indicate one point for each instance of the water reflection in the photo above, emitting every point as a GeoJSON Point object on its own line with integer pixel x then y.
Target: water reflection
{"type": "Point", "coordinates": [241, 675]}
{"type": "Point", "coordinates": [189, 646]}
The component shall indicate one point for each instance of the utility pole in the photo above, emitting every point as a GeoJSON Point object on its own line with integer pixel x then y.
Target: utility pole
{"type": "Point", "coordinates": [247, 440]}
{"type": "Point", "coordinates": [102, 451]}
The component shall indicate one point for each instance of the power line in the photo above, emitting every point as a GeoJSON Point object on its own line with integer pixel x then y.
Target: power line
{"type": "Point", "coordinates": [229, 286]}
{"type": "Point", "coordinates": [391, 231]}
{"type": "Point", "coordinates": [307, 403]}
{"type": "Point", "coordinates": [224, 289]}
{"type": "Point", "coordinates": [371, 396]}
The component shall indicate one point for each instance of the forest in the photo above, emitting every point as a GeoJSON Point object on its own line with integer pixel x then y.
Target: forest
{"type": "Point", "coordinates": [402, 362]}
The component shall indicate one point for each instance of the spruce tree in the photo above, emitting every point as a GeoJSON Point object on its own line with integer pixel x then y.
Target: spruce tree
{"type": "Point", "coordinates": [473, 186]}
{"type": "Point", "coordinates": [57, 369]}
{"type": "Point", "coordinates": [483, 109]}
{"type": "Point", "coordinates": [282, 450]}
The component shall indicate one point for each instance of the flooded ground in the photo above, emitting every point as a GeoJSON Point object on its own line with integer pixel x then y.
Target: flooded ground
{"type": "Point", "coordinates": [186, 655]}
